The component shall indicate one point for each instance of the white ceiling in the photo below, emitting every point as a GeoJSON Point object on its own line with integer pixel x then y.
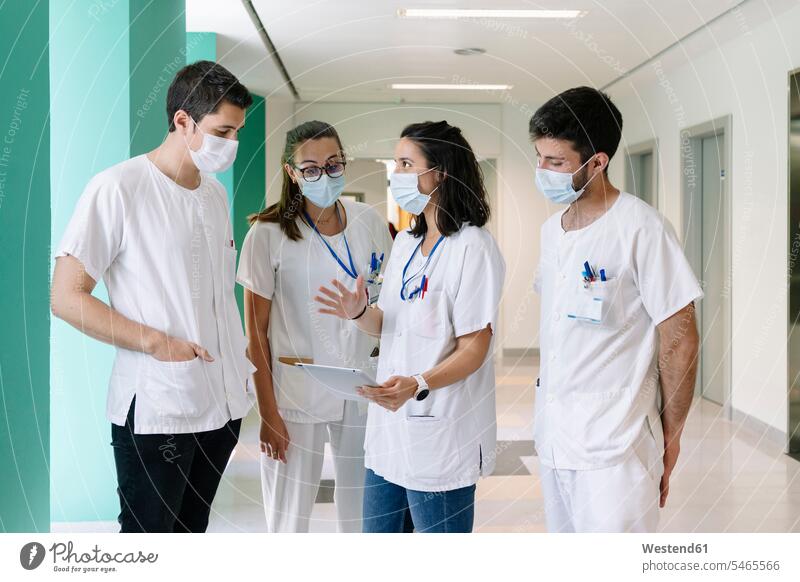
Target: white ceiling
{"type": "Point", "coordinates": [350, 50]}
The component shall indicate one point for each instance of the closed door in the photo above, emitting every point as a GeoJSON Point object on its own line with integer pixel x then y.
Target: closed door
{"type": "Point", "coordinates": [713, 240]}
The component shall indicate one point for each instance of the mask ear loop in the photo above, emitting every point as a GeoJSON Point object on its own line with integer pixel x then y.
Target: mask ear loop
{"type": "Point", "coordinates": [437, 185]}
{"type": "Point", "coordinates": [579, 169]}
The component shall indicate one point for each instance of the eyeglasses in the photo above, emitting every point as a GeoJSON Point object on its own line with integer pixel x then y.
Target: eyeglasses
{"type": "Point", "coordinates": [314, 173]}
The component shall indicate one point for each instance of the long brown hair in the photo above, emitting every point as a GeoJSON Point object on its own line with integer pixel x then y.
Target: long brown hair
{"type": "Point", "coordinates": [286, 211]}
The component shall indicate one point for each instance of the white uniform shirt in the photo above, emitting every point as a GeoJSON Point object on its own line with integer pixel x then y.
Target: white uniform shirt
{"type": "Point", "coordinates": [165, 254]}
{"type": "Point", "coordinates": [448, 440]}
{"type": "Point", "coordinates": [290, 274]}
{"type": "Point", "coordinates": [598, 381]}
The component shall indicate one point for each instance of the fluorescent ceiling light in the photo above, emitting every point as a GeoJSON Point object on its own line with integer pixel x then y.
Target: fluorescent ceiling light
{"type": "Point", "coordinates": [486, 13]}
{"type": "Point", "coordinates": [461, 86]}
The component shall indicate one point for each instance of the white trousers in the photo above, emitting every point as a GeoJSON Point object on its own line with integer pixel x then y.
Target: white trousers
{"type": "Point", "coordinates": [290, 489]}
{"type": "Point", "coordinates": [622, 498]}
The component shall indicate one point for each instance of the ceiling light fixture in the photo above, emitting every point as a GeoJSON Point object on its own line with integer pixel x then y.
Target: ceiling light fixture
{"type": "Point", "coordinates": [485, 13]}
{"type": "Point", "coordinates": [452, 86]}
{"type": "Point", "coordinates": [468, 52]}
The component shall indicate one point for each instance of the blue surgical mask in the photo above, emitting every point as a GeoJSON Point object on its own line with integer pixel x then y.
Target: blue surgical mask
{"type": "Point", "coordinates": [324, 192]}
{"type": "Point", "coordinates": [557, 186]}
{"type": "Point", "coordinates": [405, 190]}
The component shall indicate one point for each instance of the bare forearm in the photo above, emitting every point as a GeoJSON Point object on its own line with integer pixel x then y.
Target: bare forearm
{"type": "Point", "coordinates": [677, 389]}
{"type": "Point", "coordinates": [261, 355]}
{"type": "Point", "coordinates": [677, 358]}
{"type": "Point", "coordinates": [98, 320]}
{"type": "Point", "coordinates": [371, 322]}
{"type": "Point", "coordinates": [466, 359]}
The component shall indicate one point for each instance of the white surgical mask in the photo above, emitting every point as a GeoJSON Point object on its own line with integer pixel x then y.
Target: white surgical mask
{"type": "Point", "coordinates": [557, 186]}
{"type": "Point", "coordinates": [324, 192]}
{"type": "Point", "coordinates": [216, 154]}
{"type": "Point", "coordinates": [405, 190]}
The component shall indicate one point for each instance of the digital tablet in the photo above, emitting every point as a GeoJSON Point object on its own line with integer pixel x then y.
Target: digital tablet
{"type": "Point", "coordinates": [343, 382]}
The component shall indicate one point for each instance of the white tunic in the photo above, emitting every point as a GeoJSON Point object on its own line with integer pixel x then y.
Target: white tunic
{"type": "Point", "coordinates": [448, 440]}
{"type": "Point", "coordinates": [290, 274]}
{"type": "Point", "coordinates": [165, 254]}
{"type": "Point", "coordinates": [599, 381]}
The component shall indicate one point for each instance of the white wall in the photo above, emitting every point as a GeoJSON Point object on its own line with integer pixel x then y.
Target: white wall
{"type": "Point", "coordinates": [746, 78]}
{"type": "Point", "coordinates": [368, 177]}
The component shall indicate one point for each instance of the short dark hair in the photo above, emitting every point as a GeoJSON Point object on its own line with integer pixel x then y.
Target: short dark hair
{"type": "Point", "coordinates": [200, 88]}
{"type": "Point", "coordinates": [461, 194]}
{"type": "Point", "coordinates": [584, 116]}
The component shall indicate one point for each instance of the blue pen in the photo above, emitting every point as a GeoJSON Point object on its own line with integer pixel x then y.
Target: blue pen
{"type": "Point", "coordinates": [588, 270]}
{"type": "Point", "coordinates": [372, 263]}
{"type": "Point", "coordinates": [603, 275]}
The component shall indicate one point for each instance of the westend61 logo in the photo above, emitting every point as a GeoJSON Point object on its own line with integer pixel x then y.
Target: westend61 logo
{"type": "Point", "coordinates": [66, 559]}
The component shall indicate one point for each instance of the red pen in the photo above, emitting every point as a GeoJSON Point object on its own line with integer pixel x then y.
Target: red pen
{"type": "Point", "coordinates": [424, 286]}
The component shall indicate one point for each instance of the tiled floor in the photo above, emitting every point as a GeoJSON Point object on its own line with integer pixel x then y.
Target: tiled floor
{"type": "Point", "coordinates": [728, 479]}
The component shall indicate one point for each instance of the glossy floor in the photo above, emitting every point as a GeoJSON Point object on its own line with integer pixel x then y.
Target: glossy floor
{"type": "Point", "coordinates": [728, 479]}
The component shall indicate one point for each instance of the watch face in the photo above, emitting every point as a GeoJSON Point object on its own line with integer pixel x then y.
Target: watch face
{"type": "Point", "coordinates": [423, 394]}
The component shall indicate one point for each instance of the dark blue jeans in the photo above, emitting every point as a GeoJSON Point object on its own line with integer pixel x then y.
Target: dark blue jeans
{"type": "Point", "coordinates": [387, 505]}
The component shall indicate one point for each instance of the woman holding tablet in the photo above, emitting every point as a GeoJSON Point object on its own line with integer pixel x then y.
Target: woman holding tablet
{"type": "Point", "coordinates": [309, 237]}
{"type": "Point", "coordinates": [431, 431]}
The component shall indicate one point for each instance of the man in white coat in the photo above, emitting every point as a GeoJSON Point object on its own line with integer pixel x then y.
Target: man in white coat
{"type": "Point", "coordinates": [156, 229]}
{"type": "Point", "coordinates": [618, 336]}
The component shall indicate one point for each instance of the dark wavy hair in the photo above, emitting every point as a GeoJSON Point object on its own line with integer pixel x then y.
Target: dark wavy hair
{"type": "Point", "coordinates": [461, 194]}
{"type": "Point", "coordinates": [288, 208]}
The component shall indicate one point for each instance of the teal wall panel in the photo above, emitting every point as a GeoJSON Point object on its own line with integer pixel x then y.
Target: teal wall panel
{"type": "Point", "coordinates": [249, 174]}
{"type": "Point", "coordinates": [111, 66]}
{"type": "Point", "coordinates": [25, 239]}
{"type": "Point", "coordinates": [90, 131]}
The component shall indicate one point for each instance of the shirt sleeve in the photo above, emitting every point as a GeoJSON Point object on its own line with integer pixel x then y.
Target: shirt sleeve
{"type": "Point", "coordinates": [95, 231]}
{"type": "Point", "coordinates": [256, 264]}
{"type": "Point", "coordinates": [477, 299]}
{"type": "Point", "coordinates": [665, 278]}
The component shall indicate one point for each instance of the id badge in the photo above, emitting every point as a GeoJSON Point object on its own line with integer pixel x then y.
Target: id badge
{"type": "Point", "coordinates": [588, 307]}
{"type": "Point", "coordinates": [374, 285]}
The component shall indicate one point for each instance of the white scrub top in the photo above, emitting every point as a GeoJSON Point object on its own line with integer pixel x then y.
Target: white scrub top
{"type": "Point", "coordinates": [290, 273]}
{"type": "Point", "coordinates": [598, 381]}
{"type": "Point", "coordinates": [165, 254]}
{"type": "Point", "coordinates": [449, 439]}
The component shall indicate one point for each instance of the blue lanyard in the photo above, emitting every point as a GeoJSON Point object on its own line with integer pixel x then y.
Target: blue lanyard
{"type": "Point", "coordinates": [352, 270]}
{"type": "Point", "coordinates": [425, 266]}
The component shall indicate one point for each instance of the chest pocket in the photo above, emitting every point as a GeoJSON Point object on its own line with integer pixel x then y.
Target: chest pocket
{"type": "Point", "coordinates": [597, 304]}
{"type": "Point", "coordinates": [427, 317]}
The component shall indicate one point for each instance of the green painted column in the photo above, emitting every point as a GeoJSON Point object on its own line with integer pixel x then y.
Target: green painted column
{"type": "Point", "coordinates": [111, 65]}
{"type": "Point", "coordinates": [249, 176]}
{"type": "Point", "coordinates": [24, 277]}
{"type": "Point", "coordinates": [246, 181]}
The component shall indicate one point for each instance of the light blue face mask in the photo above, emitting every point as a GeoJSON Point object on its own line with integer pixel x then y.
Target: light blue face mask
{"type": "Point", "coordinates": [324, 192]}
{"type": "Point", "coordinates": [557, 186]}
{"type": "Point", "coordinates": [405, 191]}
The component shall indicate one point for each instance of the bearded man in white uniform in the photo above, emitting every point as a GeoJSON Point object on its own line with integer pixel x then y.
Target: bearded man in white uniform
{"type": "Point", "coordinates": [619, 340]}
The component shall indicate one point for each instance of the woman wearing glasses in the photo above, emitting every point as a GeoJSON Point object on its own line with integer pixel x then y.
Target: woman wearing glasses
{"type": "Point", "coordinates": [431, 431]}
{"type": "Point", "coordinates": [309, 237]}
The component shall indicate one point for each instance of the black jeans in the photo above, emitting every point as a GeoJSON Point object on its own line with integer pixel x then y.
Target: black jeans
{"type": "Point", "coordinates": [166, 482]}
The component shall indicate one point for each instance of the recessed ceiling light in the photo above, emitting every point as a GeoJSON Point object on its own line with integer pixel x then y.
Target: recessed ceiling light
{"type": "Point", "coordinates": [468, 52]}
{"type": "Point", "coordinates": [452, 86]}
{"type": "Point", "coordinates": [485, 13]}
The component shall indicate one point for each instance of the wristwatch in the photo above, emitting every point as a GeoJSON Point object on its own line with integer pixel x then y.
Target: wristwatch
{"type": "Point", "coordinates": [422, 388]}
